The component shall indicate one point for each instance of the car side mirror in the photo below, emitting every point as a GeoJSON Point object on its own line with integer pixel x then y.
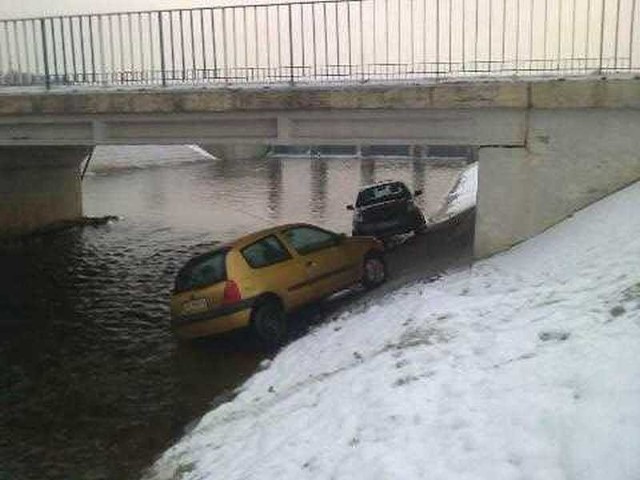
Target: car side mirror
{"type": "Point", "coordinates": [350, 207]}
{"type": "Point", "coordinates": [417, 193]}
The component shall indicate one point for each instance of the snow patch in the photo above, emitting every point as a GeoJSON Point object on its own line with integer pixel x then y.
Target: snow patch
{"type": "Point", "coordinates": [463, 196]}
{"type": "Point", "coordinates": [201, 151]}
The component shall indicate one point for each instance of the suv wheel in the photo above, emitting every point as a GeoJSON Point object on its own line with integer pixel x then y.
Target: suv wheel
{"type": "Point", "coordinates": [421, 226]}
{"type": "Point", "coordinates": [374, 271]}
{"type": "Point", "coordinates": [269, 324]}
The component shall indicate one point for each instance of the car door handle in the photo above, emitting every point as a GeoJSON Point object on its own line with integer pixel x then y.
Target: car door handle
{"type": "Point", "coordinates": [311, 263]}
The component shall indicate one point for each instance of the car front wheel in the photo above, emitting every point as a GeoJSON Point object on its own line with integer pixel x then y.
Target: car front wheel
{"type": "Point", "coordinates": [374, 271]}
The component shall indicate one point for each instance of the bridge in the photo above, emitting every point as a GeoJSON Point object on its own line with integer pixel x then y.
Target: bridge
{"type": "Point", "coordinates": [547, 90]}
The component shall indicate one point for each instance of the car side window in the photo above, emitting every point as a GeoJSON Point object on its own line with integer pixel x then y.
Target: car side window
{"type": "Point", "coordinates": [308, 239]}
{"type": "Point", "coordinates": [265, 252]}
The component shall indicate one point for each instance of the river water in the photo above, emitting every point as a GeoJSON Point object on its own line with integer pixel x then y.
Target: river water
{"type": "Point", "coordinates": [92, 383]}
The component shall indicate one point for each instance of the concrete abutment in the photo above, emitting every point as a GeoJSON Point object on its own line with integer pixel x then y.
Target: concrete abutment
{"type": "Point", "coordinates": [571, 159]}
{"type": "Point", "coordinates": [39, 186]}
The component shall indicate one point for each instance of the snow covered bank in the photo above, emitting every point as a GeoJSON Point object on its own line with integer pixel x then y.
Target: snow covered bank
{"type": "Point", "coordinates": [526, 366]}
{"type": "Point", "coordinates": [463, 196]}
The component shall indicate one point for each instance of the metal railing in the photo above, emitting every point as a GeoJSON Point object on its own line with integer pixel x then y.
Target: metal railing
{"type": "Point", "coordinates": [323, 41]}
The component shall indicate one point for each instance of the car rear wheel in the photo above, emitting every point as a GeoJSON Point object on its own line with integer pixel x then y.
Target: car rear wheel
{"type": "Point", "coordinates": [374, 271]}
{"type": "Point", "coordinates": [269, 324]}
{"type": "Point", "coordinates": [421, 225]}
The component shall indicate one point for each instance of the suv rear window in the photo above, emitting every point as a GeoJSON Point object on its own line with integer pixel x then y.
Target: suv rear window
{"type": "Point", "coordinates": [202, 271]}
{"type": "Point", "coordinates": [382, 193]}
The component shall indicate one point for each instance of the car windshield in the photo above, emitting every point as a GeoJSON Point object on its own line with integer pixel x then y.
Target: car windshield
{"type": "Point", "coordinates": [381, 193]}
{"type": "Point", "coordinates": [202, 271]}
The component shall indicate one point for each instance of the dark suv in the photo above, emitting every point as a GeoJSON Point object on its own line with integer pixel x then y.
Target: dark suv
{"type": "Point", "coordinates": [386, 209]}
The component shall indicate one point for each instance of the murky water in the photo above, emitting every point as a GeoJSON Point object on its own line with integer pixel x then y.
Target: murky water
{"type": "Point", "coordinates": [92, 383]}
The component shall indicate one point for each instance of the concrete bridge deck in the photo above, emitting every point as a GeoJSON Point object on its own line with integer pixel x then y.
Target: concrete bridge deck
{"type": "Point", "coordinates": [473, 113]}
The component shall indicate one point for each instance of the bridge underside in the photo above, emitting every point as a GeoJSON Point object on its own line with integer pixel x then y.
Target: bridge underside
{"type": "Point", "coordinates": [475, 113]}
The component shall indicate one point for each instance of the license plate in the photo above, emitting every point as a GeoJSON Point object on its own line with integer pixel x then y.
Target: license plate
{"type": "Point", "coordinates": [195, 306]}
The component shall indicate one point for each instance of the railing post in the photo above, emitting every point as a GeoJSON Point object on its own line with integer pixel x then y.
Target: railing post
{"type": "Point", "coordinates": [633, 16]}
{"type": "Point", "coordinates": [162, 64]}
{"type": "Point", "coordinates": [45, 54]}
{"type": "Point", "coordinates": [291, 78]}
{"type": "Point", "coordinates": [602, 18]}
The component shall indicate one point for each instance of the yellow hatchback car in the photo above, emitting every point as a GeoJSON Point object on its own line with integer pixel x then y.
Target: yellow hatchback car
{"type": "Point", "coordinates": [259, 278]}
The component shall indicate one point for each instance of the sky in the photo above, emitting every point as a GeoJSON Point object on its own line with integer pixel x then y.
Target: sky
{"type": "Point", "coordinates": [30, 8]}
{"type": "Point", "coordinates": [418, 33]}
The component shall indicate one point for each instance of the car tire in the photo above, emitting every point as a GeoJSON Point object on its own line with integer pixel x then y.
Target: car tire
{"type": "Point", "coordinates": [421, 226]}
{"type": "Point", "coordinates": [374, 271]}
{"type": "Point", "coordinates": [269, 324]}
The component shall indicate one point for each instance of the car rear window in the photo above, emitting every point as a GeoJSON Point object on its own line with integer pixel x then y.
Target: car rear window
{"type": "Point", "coordinates": [381, 193]}
{"type": "Point", "coordinates": [202, 271]}
{"type": "Point", "coordinates": [265, 252]}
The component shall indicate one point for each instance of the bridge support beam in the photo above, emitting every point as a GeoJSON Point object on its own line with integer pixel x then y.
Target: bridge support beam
{"type": "Point", "coordinates": [39, 186]}
{"type": "Point", "coordinates": [571, 158]}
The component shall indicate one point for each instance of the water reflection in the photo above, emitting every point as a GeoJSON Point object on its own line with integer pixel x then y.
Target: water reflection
{"type": "Point", "coordinates": [367, 171]}
{"type": "Point", "coordinates": [275, 187]}
{"type": "Point", "coordinates": [319, 176]}
{"type": "Point", "coordinates": [419, 173]}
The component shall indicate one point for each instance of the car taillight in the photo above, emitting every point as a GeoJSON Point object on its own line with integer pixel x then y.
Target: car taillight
{"type": "Point", "coordinates": [231, 293]}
